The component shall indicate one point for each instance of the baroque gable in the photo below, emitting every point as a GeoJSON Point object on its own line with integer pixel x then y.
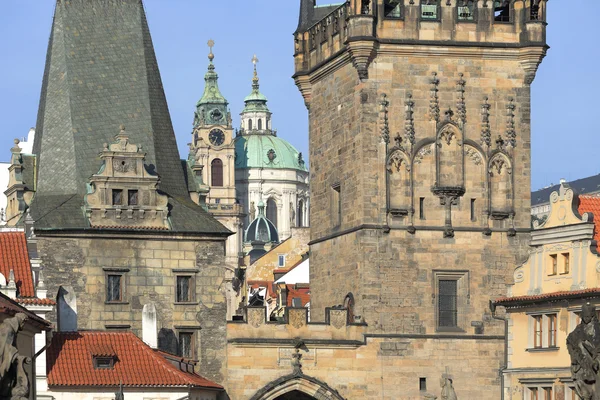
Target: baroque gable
{"type": "Point", "coordinates": [124, 193]}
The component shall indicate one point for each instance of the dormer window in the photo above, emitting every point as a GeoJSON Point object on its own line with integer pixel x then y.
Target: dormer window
{"type": "Point", "coordinates": [104, 362]}
{"type": "Point", "coordinates": [117, 197]}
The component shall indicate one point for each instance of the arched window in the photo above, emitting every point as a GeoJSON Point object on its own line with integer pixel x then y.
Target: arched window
{"type": "Point", "coordinates": [249, 124]}
{"type": "Point", "coordinates": [300, 214]}
{"type": "Point", "coordinates": [259, 124]}
{"type": "Point", "coordinates": [272, 212]}
{"type": "Point", "coordinates": [216, 172]}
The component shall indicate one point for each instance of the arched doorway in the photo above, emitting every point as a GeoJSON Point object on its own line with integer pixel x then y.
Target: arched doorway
{"type": "Point", "coordinates": [295, 395]}
{"type": "Point", "coordinates": [297, 386]}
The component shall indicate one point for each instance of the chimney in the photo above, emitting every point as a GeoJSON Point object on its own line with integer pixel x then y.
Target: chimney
{"type": "Point", "coordinates": [149, 325]}
{"type": "Point", "coordinates": [11, 287]}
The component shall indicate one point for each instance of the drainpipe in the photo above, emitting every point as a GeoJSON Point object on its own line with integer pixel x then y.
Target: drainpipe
{"type": "Point", "coordinates": [502, 368]}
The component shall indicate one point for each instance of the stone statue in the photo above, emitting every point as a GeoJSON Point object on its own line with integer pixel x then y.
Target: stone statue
{"type": "Point", "coordinates": [583, 345]}
{"type": "Point", "coordinates": [14, 383]}
{"type": "Point", "coordinates": [252, 212]}
{"type": "Point", "coordinates": [448, 392]}
{"type": "Point", "coordinates": [292, 216]}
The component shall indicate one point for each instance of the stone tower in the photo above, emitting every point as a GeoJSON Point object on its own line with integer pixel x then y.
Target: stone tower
{"type": "Point", "coordinates": [111, 218]}
{"type": "Point", "coordinates": [420, 161]}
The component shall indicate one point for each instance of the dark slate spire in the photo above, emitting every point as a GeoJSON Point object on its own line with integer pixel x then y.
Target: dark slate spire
{"type": "Point", "coordinates": [307, 11]}
{"type": "Point", "coordinates": [101, 72]}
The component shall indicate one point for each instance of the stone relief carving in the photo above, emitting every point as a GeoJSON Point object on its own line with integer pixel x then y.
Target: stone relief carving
{"type": "Point", "coordinates": [395, 161]}
{"type": "Point", "coordinates": [424, 151]}
{"type": "Point", "coordinates": [497, 164]}
{"type": "Point", "coordinates": [474, 155]}
{"type": "Point", "coordinates": [583, 345]}
{"type": "Point", "coordinates": [14, 382]}
{"type": "Point", "coordinates": [446, 135]}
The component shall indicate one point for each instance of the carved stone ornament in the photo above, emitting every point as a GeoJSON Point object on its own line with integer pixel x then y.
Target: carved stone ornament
{"type": "Point", "coordinates": [474, 155]}
{"type": "Point", "coordinates": [395, 161]}
{"type": "Point", "coordinates": [511, 133]}
{"type": "Point", "coordinates": [14, 381]}
{"type": "Point", "coordinates": [461, 107]}
{"type": "Point", "coordinates": [486, 134]}
{"type": "Point", "coordinates": [447, 135]}
{"type": "Point", "coordinates": [271, 155]}
{"type": "Point", "coordinates": [519, 275]}
{"type": "Point", "coordinates": [409, 124]}
{"type": "Point", "coordinates": [434, 102]}
{"type": "Point", "coordinates": [497, 165]}
{"type": "Point", "coordinates": [423, 152]}
{"type": "Point", "coordinates": [385, 129]}
{"type": "Point", "coordinates": [583, 345]}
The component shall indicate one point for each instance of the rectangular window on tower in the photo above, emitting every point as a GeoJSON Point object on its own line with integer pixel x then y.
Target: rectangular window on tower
{"type": "Point", "coordinates": [184, 292]}
{"type": "Point", "coordinates": [186, 345]}
{"type": "Point", "coordinates": [336, 204]}
{"type": "Point", "coordinates": [117, 197]}
{"type": "Point", "coordinates": [422, 208]}
{"type": "Point", "coordinates": [133, 197]}
{"type": "Point", "coordinates": [451, 299]}
{"type": "Point", "coordinates": [393, 8]}
{"type": "Point", "coordinates": [447, 304]}
{"type": "Point", "coordinates": [114, 292]}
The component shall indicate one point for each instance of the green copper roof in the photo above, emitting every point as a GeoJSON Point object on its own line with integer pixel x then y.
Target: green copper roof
{"type": "Point", "coordinates": [212, 94]}
{"type": "Point", "coordinates": [255, 101]}
{"type": "Point", "coordinates": [266, 151]}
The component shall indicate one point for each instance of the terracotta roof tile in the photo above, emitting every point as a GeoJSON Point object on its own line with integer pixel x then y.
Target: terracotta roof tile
{"type": "Point", "coordinates": [11, 307]}
{"type": "Point", "coordinates": [14, 255]}
{"type": "Point", "coordinates": [70, 363]}
{"type": "Point", "coordinates": [591, 204]}
{"type": "Point", "coordinates": [34, 301]}
{"type": "Point", "coordinates": [529, 299]}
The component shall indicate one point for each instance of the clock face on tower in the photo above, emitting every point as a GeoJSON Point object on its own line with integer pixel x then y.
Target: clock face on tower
{"type": "Point", "coordinates": [216, 137]}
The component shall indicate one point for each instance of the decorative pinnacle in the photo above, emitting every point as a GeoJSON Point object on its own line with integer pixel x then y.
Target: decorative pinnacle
{"type": "Point", "coordinates": [211, 44]}
{"type": "Point", "coordinates": [255, 78]}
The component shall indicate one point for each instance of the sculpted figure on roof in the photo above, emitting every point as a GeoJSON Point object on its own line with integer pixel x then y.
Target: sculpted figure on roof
{"type": "Point", "coordinates": [583, 345]}
{"type": "Point", "coordinates": [14, 383]}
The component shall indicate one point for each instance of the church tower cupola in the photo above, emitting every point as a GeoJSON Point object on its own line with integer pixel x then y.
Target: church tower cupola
{"type": "Point", "coordinates": [256, 117]}
{"type": "Point", "coordinates": [212, 109]}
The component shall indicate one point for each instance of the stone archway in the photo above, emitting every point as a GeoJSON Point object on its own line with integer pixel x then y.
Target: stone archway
{"type": "Point", "coordinates": [297, 387]}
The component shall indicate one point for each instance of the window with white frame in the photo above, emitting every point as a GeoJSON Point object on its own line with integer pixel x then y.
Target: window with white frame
{"type": "Point", "coordinates": [543, 331]}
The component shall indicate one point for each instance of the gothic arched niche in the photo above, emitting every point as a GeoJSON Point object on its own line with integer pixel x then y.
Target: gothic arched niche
{"type": "Point", "coordinates": [500, 171]}
{"type": "Point", "coordinates": [398, 170]}
{"type": "Point", "coordinates": [423, 169]}
{"type": "Point", "coordinates": [449, 151]}
{"type": "Point", "coordinates": [474, 202]}
{"type": "Point", "coordinates": [297, 384]}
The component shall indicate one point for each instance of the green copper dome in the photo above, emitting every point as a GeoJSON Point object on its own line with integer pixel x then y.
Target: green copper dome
{"type": "Point", "coordinates": [266, 151]}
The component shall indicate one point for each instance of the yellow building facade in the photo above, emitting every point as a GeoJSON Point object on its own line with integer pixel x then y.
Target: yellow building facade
{"type": "Point", "coordinates": [561, 274]}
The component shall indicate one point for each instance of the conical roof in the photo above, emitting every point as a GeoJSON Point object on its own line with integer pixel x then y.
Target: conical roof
{"type": "Point", "coordinates": [101, 72]}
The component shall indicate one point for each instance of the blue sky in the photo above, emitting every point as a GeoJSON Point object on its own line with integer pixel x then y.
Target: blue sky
{"type": "Point", "coordinates": [564, 94]}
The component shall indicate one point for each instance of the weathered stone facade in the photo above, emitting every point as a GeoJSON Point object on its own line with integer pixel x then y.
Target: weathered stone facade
{"type": "Point", "coordinates": [149, 265]}
{"type": "Point", "coordinates": [420, 181]}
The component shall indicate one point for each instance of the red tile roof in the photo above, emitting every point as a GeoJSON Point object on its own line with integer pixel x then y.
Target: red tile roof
{"type": "Point", "coordinates": [70, 363]}
{"type": "Point", "coordinates": [34, 301]}
{"type": "Point", "coordinates": [538, 298]}
{"type": "Point", "coordinates": [10, 307]}
{"type": "Point", "coordinates": [14, 255]}
{"type": "Point", "coordinates": [302, 293]}
{"type": "Point", "coordinates": [266, 284]}
{"type": "Point", "coordinates": [591, 204]}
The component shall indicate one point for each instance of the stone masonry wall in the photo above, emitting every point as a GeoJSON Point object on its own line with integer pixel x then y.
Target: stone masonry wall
{"type": "Point", "coordinates": [149, 266]}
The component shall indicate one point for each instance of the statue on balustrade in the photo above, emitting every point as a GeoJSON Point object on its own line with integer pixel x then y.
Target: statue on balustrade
{"type": "Point", "coordinates": [584, 346]}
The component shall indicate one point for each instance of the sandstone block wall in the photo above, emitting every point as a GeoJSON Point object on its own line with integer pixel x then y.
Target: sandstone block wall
{"type": "Point", "coordinates": [150, 265]}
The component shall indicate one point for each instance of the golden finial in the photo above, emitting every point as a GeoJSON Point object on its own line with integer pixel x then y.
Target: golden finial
{"type": "Point", "coordinates": [255, 61]}
{"type": "Point", "coordinates": [211, 44]}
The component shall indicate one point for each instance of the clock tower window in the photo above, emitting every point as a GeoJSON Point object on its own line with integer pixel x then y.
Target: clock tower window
{"type": "Point", "coordinates": [216, 171]}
